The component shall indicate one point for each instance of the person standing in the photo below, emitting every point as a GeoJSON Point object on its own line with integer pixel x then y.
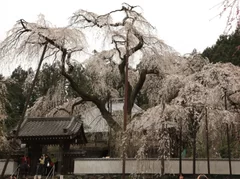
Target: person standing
{"type": "Point", "coordinates": [41, 165]}
{"type": "Point", "coordinates": [54, 162]}
{"type": "Point", "coordinates": [47, 164]}
{"type": "Point", "coordinates": [24, 166]}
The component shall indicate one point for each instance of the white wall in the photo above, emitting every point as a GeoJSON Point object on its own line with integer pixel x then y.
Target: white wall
{"type": "Point", "coordinates": [10, 168]}
{"type": "Point", "coordinates": [114, 166]}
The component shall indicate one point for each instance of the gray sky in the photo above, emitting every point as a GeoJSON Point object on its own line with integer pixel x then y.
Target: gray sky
{"type": "Point", "coordinates": [182, 24]}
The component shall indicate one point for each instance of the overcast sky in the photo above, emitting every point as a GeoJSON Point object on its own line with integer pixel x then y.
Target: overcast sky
{"type": "Point", "coordinates": [182, 24]}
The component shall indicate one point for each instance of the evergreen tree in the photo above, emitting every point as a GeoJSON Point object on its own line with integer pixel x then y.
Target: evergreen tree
{"type": "Point", "coordinates": [15, 96]}
{"type": "Point", "coordinates": [18, 85]}
{"type": "Point", "coordinates": [48, 77]}
{"type": "Point", "coordinates": [225, 50]}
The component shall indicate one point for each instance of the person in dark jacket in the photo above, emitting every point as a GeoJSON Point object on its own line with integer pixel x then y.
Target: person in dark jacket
{"type": "Point", "coordinates": [47, 164]}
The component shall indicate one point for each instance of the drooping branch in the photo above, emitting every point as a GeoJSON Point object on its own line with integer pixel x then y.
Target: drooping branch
{"type": "Point", "coordinates": [66, 55]}
{"type": "Point", "coordinates": [231, 8]}
{"type": "Point", "coordinates": [38, 31]}
{"type": "Point", "coordinates": [84, 95]}
{"type": "Point", "coordinates": [65, 59]}
{"type": "Point", "coordinates": [95, 20]}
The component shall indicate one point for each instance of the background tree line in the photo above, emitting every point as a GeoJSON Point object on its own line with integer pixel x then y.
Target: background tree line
{"type": "Point", "coordinates": [226, 49]}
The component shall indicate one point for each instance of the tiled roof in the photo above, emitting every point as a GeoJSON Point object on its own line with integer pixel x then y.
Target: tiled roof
{"type": "Point", "coordinates": [60, 126]}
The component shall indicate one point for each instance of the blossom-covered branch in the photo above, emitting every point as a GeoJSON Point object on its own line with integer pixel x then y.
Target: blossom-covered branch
{"type": "Point", "coordinates": [231, 7]}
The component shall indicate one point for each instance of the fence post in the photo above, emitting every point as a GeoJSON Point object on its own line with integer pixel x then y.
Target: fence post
{"type": "Point", "coordinates": [207, 143]}
{"type": "Point", "coordinates": [180, 147]}
{"type": "Point", "coordinates": [228, 137]}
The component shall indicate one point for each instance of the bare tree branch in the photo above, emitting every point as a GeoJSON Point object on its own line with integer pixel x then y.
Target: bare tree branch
{"type": "Point", "coordinates": [75, 104]}
{"type": "Point", "coordinates": [61, 109]}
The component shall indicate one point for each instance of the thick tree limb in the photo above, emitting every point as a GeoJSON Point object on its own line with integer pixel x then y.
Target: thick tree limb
{"type": "Point", "coordinates": [61, 109]}
{"type": "Point", "coordinates": [140, 83]}
{"type": "Point", "coordinates": [130, 52]}
{"type": "Point", "coordinates": [83, 94]}
{"type": "Point", "coordinates": [87, 97]}
{"type": "Point", "coordinates": [75, 104]}
{"type": "Point", "coordinates": [121, 66]}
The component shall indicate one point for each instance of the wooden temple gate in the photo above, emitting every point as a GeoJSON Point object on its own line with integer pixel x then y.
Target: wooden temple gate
{"type": "Point", "coordinates": [37, 133]}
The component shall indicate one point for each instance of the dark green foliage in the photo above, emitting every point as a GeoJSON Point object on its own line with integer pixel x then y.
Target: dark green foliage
{"type": "Point", "coordinates": [19, 75]}
{"type": "Point", "coordinates": [142, 100]}
{"type": "Point", "coordinates": [48, 77]}
{"type": "Point", "coordinates": [80, 77]}
{"type": "Point", "coordinates": [225, 50]}
{"type": "Point", "coordinates": [18, 87]}
{"type": "Point", "coordinates": [19, 82]}
{"type": "Point", "coordinates": [15, 96]}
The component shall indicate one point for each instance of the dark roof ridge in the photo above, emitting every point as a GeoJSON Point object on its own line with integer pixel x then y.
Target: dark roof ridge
{"type": "Point", "coordinates": [36, 128]}
{"type": "Point", "coordinates": [74, 127]}
{"type": "Point", "coordinates": [48, 118]}
{"type": "Point", "coordinates": [71, 127]}
{"type": "Point", "coordinates": [70, 123]}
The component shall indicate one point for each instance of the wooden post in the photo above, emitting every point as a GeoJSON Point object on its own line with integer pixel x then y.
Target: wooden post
{"type": "Point", "coordinates": [180, 147]}
{"type": "Point", "coordinates": [228, 137]}
{"type": "Point", "coordinates": [194, 126]}
{"type": "Point", "coordinates": [207, 143]}
{"type": "Point", "coordinates": [162, 153]}
{"type": "Point", "coordinates": [65, 162]}
{"type": "Point", "coordinates": [229, 152]}
{"type": "Point", "coordinates": [125, 107]}
{"type": "Point", "coordinates": [162, 162]}
{"type": "Point", "coordinates": [34, 153]}
{"type": "Point", "coordinates": [194, 155]}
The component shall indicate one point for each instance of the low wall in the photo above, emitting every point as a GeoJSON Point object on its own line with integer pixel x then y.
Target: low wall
{"type": "Point", "coordinates": [10, 168]}
{"type": "Point", "coordinates": [153, 166]}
